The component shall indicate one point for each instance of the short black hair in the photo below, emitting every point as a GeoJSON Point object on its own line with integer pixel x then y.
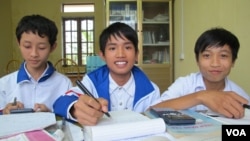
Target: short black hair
{"type": "Point", "coordinates": [217, 37]}
{"type": "Point", "coordinates": [118, 29]}
{"type": "Point", "coordinates": [37, 24]}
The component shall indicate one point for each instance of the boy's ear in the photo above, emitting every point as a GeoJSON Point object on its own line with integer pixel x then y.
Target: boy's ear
{"type": "Point", "coordinates": [53, 47]}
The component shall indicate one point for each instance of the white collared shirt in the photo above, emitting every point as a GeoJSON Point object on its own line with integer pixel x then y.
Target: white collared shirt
{"type": "Point", "coordinates": [31, 78]}
{"type": "Point", "coordinates": [122, 97]}
{"type": "Point", "coordinates": [194, 83]}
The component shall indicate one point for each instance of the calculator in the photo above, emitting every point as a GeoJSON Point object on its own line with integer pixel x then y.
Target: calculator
{"type": "Point", "coordinates": [25, 110]}
{"type": "Point", "coordinates": [173, 117]}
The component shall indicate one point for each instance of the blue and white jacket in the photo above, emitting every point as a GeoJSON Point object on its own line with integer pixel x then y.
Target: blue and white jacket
{"type": "Point", "coordinates": [98, 83]}
{"type": "Point", "coordinates": [46, 90]}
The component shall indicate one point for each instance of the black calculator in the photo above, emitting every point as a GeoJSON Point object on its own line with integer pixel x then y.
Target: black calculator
{"type": "Point", "coordinates": [173, 117]}
{"type": "Point", "coordinates": [19, 111]}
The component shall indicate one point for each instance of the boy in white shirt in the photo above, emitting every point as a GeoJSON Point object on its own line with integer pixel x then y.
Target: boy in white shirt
{"type": "Point", "coordinates": [216, 51]}
{"type": "Point", "coordinates": [36, 84]}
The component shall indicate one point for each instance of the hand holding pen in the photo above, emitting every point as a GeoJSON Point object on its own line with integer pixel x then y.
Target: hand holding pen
{"type": "Point", "coordinates": [246, 106]}
{"type": "Point", "coordinates": [12, 106]}
{"type": "Point", "coordinates": [85, 91]}
{"type": "Point", "coordinates": [15, 102]}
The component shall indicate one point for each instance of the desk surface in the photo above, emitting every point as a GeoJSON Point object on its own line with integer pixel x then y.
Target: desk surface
{"type": "Point", "coordinates": [206, 128]}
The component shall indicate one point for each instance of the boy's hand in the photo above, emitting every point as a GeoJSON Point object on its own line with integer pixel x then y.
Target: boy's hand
{"type": "Point", "coordinates": [87, 111]}
{"type": "Point", "coordinates": [41, 108]}
{"type": "Point", "coordinates": [227, 103]}
{"type": "Point", "coordinates": [11, 106]}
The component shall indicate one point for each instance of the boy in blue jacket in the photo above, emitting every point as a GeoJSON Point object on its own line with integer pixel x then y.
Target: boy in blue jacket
{"type": "Point", "coordinates": [118, 85]}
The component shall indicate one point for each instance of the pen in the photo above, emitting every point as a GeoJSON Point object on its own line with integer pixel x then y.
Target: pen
{"type": "Point", "coordinates": [14, 103]}
{"type": "Point", "coordinates": [63, 124]}
{"type": "Point", "coordinates": [246, 106]}
{"type": "Point", "coordinates": [85, 90]}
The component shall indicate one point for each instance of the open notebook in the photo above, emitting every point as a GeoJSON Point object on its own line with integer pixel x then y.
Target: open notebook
{"type": "Point", "coordinates": [123, 125]}
{"type": "Point", "coordinates": [18, 123]}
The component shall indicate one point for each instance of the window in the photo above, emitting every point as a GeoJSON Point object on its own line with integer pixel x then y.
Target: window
{"type": "Point", "coordinates": [78, 8]}
{"type": "Point", "coordinates": [78, 34]}
{"type": "Point", "coordinates": [78, 38]}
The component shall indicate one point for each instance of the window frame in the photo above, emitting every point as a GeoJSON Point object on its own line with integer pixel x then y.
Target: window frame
{"type": "Point", "coordinates": [80, 54]}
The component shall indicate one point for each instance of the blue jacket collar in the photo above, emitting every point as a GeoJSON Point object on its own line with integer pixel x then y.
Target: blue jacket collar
{"type": "Point", "coordinates": [22, 74]}
{"type": "Point", "coordinates": [100, 79]}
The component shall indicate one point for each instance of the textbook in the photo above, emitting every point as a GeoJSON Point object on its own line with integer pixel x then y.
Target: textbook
{"type": "Point", "coordinates": [37, 135]}
{"type": "Point", "coordinates": [204, 129]}
{"type": "Point", "coordinates": [12, 124]}
{"type": "Point", "coordinates": [123, 125]}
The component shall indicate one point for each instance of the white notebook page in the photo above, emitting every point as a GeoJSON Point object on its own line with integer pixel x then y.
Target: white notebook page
{"type": "Point", "coordinates": [122, 125]}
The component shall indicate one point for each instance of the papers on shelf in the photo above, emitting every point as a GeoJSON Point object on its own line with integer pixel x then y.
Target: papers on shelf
{"type": "Point", "coordinates": [159, 17]}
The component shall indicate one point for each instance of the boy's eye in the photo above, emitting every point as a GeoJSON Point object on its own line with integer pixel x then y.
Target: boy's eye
{"type": "Point", "coordinates": [224, 55]}
{"type": "Point", "coordinates": [111, 48]}
{"type": "Point", "coordinates": [26, 46]}
{"type": "Point", "coordinates": [42, 48]}
{"type": "Point", "coordinates": [128, 47]}
{"type": "Point", "coordinates": [205, 55]}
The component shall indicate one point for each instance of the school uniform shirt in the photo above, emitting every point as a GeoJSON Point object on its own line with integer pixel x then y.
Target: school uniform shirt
{"type": "Point", "coordinates": [137, 94]}
{"type": "Point", "coordinates": [194, 83]}
{"type": "Point", "coordinates": [21, 85]}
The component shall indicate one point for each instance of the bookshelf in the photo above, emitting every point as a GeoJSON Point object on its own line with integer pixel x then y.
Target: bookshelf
{"type": "Point", "coordinates": [152, 19]}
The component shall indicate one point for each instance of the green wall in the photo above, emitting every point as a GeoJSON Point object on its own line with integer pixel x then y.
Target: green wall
{"type": "Point", "coordinates": [5, 34]}
{"type": "Point", "coordinates": [191, 18]}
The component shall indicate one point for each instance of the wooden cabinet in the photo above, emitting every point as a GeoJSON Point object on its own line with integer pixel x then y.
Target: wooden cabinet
{"type": "Point", "coordinates": [152, 19]}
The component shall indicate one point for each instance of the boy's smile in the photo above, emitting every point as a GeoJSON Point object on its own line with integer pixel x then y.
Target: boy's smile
{"type": "Point", "coordinates": [120, 56]}
{"type": "Point", "coordinates": [215, 63]}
